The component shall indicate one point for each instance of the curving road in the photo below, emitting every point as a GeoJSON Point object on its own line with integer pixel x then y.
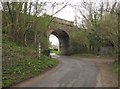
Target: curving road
{"type": "Point", "coordinates": [71, 72]}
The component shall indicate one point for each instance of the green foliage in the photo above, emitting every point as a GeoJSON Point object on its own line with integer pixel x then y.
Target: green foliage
{"type": "Point", "coordinates": [117, 68]}
{"type": "Point", "coordinates": [109, 28]}
{"type": "Point", "coordinates": [55, 51]}
{"type": "Point", "coordinates": [79, 42]}
{"type": "Point", "coordinates": [85, 55]}
{"type": "Point", "coordinates": [46, 52]}
{"type": "Point", "coordinates": [21, 63]}
{"type": "Point", "coordinates": [30, 26]}
{"type": "Point", "coordinates": [103, 33]}
{"type": "Point", "coordinates": [24, 28]}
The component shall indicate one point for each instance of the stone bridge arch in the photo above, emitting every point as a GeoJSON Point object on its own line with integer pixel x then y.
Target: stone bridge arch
{"type": "Point", "coordinates": [64, 40]}
{"type": "Point", "coordinates": [62, 30]}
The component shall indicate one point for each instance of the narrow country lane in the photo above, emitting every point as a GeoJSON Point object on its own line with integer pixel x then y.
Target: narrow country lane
{"type": "Point", "coordinates": [71, 72]}
{"type": "Point", "coordinates": [81, 34]}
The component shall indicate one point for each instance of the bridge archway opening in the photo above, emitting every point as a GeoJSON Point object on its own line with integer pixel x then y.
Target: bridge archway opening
{"type": "Point", "coordinates": [63, 38]}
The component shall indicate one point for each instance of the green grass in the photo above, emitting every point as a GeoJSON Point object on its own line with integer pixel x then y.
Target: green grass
{"type": "Point", "coordinates": [56, 52]}
{"type": "Point", "coordinates": [20, 63]}
{"type": "Point", "coordinates": [93, 55]}
{"type": "Point", "coordinates": [85, 55]}
{"type": "Point", "coordinates": [117, 68]}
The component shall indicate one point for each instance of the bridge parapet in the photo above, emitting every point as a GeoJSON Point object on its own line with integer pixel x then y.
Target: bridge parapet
{"type": "Point", "coordinates": [62, 21]}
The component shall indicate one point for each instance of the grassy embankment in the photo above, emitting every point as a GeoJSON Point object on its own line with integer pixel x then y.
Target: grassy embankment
{"type": "Point", "coordinates": [56, 52]}
{"type": "Point", "coordinates": [117, 68]}
{"type": "Point", "coordinates": [20, 63]}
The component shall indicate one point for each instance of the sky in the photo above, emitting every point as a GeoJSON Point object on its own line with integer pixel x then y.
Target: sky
{"type": "Point", "coordinates": [54, 40]}
{"type": "Point", "coordinates": [68, 13]}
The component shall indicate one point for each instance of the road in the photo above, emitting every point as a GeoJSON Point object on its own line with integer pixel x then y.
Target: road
{"type": "Point", "coordinates": [71, 72]}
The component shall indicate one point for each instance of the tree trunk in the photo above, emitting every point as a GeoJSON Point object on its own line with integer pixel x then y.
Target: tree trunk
{"type": "Point", "coordinates": [119, 32]}
{"type": "Point", "coordinates": [25, 39]}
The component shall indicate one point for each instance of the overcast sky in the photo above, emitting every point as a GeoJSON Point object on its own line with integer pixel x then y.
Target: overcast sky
{"type": "Point", "coordinates": [68, 13]}
{"type": "Point", "coordinates": [54, 40]}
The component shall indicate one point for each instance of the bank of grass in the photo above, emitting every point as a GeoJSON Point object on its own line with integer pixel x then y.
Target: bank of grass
{"type": "Point", "coordinates": [94, 55]}
{"type": "Point", "coordinates": [20, 63]}
{"type": "Point", "coordinates": [85, 55]}
{"type": "Point", "coordinates": [117, 68]}
{"type": "Point", "coordinates": [55, 51]}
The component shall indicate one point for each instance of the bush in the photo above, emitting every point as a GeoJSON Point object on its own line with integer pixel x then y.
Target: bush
{"type": "Point", "coordinates": [79, 42]}
{"type": "Point", "coordinates": [46, 52]}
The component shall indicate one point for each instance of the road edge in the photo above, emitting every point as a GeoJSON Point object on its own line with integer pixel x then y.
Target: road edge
{"type": "Point", "coordinates": [40, 76]}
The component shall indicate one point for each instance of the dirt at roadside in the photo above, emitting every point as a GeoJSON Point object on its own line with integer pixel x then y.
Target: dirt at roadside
{"type": "Point", "coordinates": [106, 76]}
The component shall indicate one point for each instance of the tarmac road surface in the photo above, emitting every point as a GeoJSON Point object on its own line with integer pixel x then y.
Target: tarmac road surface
{"type": "Point", "coordinates": [71, 72]}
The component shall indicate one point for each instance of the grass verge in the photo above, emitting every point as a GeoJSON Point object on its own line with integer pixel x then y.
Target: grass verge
{"type": "Point", "coordinates": [56, 52]}
{"type": "Point", "coordinates": [20, 63]}
{"type": "Point", "coordinates": [85, 55]}
{"type": "Point", "coordinates": [117, 68]}
{"type": "Point", "coordinates": [93, 55]}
